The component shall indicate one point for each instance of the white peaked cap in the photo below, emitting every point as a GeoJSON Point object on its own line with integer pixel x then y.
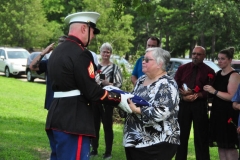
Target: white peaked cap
{"type": "Point", "coordinates": [84, 17]}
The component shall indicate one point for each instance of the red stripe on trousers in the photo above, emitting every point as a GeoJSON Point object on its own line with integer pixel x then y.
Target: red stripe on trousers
{"type": "Point", "coordinates": [79, 148]}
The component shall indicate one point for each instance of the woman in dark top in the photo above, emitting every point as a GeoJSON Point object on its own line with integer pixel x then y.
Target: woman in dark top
{"type": "Point", "coordinates": [222, 132]}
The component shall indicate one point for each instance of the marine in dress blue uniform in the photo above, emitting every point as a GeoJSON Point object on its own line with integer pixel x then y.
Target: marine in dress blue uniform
{"type": "Point", "coordinates": [70, 123]}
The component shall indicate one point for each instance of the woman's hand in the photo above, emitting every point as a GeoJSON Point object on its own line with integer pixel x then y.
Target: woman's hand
{"type": "Point", "coordinates": [209, 89]}
{"type": "Point", "coordinates": [133, 107]}
{"type": "Point", "coordinates": [105, 82]}
{"type": "Point", "coordinates": [238, 130]}
{"type": "Point", "coordinates": [236, 105]}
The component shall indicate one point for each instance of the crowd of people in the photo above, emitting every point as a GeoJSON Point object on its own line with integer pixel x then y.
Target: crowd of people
{"type": "Point", "coordinates": [78, 102]}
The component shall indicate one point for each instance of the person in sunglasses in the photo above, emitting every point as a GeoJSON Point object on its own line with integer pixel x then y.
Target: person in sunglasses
{"type": "Point", "coordinates": [191, 78]}
{"type": "Point", "coordinates": [152, 131]}
{"type": "Point", "coordinates": [137, 71]}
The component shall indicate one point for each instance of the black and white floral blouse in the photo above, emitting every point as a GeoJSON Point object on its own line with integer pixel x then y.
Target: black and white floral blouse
{"type": "Point", "coordinates": [158, 122]}
{"type": "Point", "coordinates": [113, 74]}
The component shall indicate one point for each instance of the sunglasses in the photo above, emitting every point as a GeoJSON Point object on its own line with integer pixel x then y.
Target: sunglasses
{"type": "Point", "coordinates": [147, 60]}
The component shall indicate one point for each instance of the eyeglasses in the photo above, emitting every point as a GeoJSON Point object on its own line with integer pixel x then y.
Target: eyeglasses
{"type": "Point", "coordinates": [151, 46]}
{"type": "Point", "coordinates": [198, 54]}
{"type": "Point", "coordinates": [106, 52]}
{"type": "Point", "coordinates": [147, 60]}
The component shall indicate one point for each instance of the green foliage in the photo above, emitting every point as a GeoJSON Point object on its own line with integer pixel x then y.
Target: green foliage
{"type": "Point", "coordinates": [181, 25]}
{"type": "Point", "coordinates": [23, 24]}
{"type": "Point", "coordinates": [57, 10]}
{"type": "Point", "coordinates": [118, 33]}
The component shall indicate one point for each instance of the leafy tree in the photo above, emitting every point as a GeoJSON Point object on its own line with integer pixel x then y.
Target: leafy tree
{"type": "Point", "coordinates": [57, 10]}
{"type": "Point", "coordinates": [117, 32]}
{"type": "Point", "coordinates": [24, 25]}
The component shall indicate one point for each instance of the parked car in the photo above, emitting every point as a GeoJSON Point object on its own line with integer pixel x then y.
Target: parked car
{"type": "Point", "coordinates": [176, 62]}
{"type": "Point", "coordinates": [236, 65]}
{"type": "Point", "coordinates": [31, 75]}
{"type": "Point", "coordinates": [13, 60]}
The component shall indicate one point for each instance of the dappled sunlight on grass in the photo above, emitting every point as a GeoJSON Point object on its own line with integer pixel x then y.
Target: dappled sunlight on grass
{"type": "Point", "coordinates": [23, 138]}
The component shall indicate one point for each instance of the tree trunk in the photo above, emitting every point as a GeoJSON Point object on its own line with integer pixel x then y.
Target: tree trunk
{"type": "Point", "coordinates": [213, 46]}
{"type": "Point", "coordinates": [160, 39]}
{"type": "Point", "coordinates": [203, 39]}
{"type": "Point", "coordinates": [167, 42]}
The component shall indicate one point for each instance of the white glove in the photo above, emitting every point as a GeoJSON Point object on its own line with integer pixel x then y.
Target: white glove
{"type": "Point", "coordinates": [124, 104]}
{"type": "Point", "coordinates": [110, 87]}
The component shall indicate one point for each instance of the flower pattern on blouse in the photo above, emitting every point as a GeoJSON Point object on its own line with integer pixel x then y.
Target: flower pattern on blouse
{"type": "Point", "coordinates": [158, 122]}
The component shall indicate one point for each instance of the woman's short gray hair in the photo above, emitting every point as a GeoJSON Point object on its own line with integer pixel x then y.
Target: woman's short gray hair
{"type": "Point", "coordinates": [107, 46]}
{"type": "Point", "coordinates": [160, 55]}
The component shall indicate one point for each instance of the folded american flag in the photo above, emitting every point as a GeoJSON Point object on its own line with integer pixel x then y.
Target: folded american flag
{"type": "Point", "coordinates": [138, 101]}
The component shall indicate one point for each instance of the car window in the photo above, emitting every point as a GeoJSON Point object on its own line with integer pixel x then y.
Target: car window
{"type": "Point", "coordinates": [236, 66]}
{"type": "Point", "coordinates": [17, 54]}
{"type": "Point", "coordinates": [175, 66]}
{"type": "Point", "coordinates": [2, 53]}
{"type": "Point", "coordinates": [169, 66]}
{"type": "Point", "coordinates": [212, 65]}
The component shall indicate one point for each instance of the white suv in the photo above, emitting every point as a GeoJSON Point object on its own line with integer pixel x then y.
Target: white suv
{"type": "Point", "coordinates": [13, 60]}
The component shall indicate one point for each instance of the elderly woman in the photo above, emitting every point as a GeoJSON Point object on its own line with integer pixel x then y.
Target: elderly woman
{"type": "Point", "coordinates": [103, 113]}
{"type": "Point", "coordinates": [223, 133]}
{"type": "Point", "coordinates": [152, 132]}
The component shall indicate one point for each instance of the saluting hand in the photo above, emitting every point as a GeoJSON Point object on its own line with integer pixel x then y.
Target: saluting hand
{"type": "Point", "coordinates": [48, 49]}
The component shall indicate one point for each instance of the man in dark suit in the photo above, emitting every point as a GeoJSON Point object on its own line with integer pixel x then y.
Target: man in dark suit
{"type": "Point", "coordinates": [193, 105]}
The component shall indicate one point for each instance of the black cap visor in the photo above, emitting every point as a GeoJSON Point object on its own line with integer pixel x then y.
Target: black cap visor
{"type": "Point", "coordinates": [90, 24]}
{"type": "Point", "coordinates": [96, 31]}
{"type": "Point", "coordinates": [93, 25]}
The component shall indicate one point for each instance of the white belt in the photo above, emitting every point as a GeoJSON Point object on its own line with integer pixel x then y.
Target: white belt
{"type": "Point", "coordinates": [75, 92]}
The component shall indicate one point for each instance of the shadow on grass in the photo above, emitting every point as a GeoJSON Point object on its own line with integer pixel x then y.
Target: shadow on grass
{"type": "Point", "coordinates": [23, 139]}
{"type": "Point", "coordinates": [24, 78]}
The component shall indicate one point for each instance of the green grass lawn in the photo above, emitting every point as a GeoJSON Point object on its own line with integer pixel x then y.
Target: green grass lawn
{"type": "Point", "coordinates": [22, 123]}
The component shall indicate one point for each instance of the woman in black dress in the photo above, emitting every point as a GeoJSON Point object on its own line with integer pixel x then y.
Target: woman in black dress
{"type": "Point", "coordinates": [223, 133]}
